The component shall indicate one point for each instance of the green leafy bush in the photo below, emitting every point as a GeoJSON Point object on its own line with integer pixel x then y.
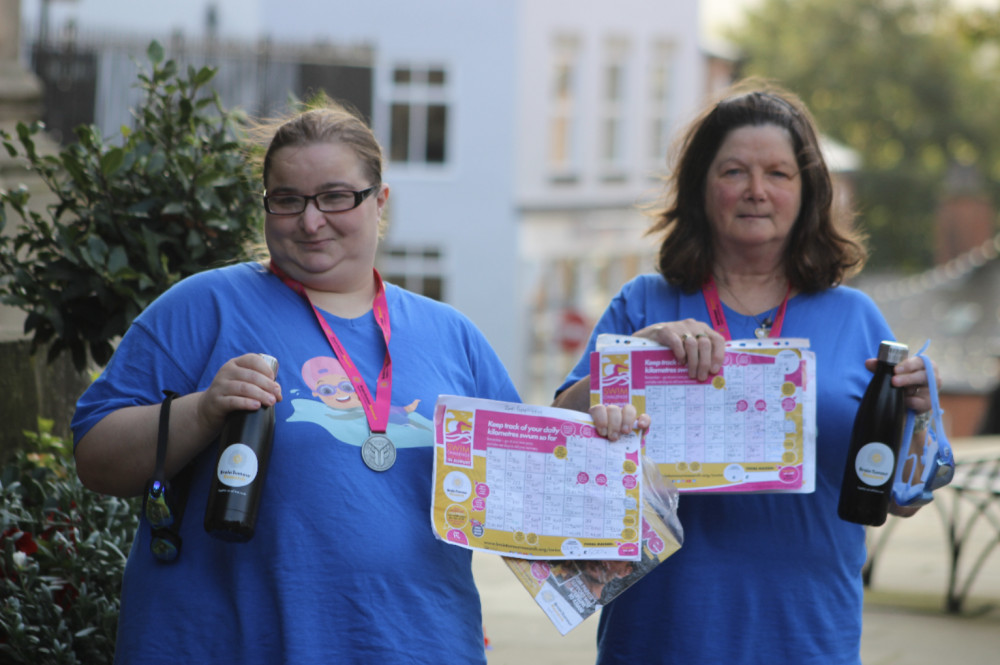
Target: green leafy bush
{"type": "Point", "coordinates": [176, 197]}
{"type": "Point", "coordinates": [62, 555]}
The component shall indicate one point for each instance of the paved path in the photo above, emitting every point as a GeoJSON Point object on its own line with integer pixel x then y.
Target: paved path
{"type": "Point", "coordinates": [903, 625]}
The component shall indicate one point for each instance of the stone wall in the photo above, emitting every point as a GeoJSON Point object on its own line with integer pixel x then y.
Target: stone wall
{"type": "Point", "coordinates": [31, 388]}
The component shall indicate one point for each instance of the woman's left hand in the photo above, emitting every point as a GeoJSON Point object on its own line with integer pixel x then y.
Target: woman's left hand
{"type": "Point", "coordinates": [694, 344]}
{"type": "Point", "coordinates": [613, 421]}
{"type": "Point", "coordinates": [911, 376]}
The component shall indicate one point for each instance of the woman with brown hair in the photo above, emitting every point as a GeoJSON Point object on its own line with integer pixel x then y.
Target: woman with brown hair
{"type": "Point", "coordinates": [751, 249]}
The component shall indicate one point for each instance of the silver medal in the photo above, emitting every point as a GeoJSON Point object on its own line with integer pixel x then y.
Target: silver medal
{"type": "Point", "coordinates": [378, 452]}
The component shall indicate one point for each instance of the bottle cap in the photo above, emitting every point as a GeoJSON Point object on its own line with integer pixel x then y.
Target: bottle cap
{"type": "Point", "coordinates": [892, 352]}
{"type": "Point", "coordinates": [271, 361]}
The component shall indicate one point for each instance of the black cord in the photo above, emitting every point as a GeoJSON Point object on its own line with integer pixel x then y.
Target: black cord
{"type": "Point", "coordinates": [163, 435]}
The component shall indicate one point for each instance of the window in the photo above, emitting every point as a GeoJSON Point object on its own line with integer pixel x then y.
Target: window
{"type": "Point", "coordinates": [562, 107]}
{"type": "Point", "coordinates": [418, 115]}
{"type": "Point", "coordinates": [661, 80]}
{"type": "Point", "coordinates": [612, 107]}
{"type": "Point", "coordinates": [418, 269]}
{"type": "Point", "coordinates": [611, 142]}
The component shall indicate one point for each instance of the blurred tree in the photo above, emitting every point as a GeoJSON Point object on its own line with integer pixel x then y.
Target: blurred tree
{"type": "Point", "coordinates": [980, 26]}
{"type": "Point", "coordinates": [177, 196]}
{"type": "Point", "coordinates": [911, 85]}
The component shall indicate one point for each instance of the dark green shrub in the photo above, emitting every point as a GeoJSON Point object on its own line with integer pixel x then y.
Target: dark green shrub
{"type": "Point", "coordinates": [62, 555]}
{"type": "Point", "coordinates": [176, 196]}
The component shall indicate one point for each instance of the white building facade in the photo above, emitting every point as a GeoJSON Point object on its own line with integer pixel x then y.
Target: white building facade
{"type": "Point", "coordinates": [521, 135]}
{"type": "Point", "coordinates": [604, 87]}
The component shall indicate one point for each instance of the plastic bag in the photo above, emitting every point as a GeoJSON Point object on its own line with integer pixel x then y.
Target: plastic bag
{"type": "Point", "coordinates": [569, 591]}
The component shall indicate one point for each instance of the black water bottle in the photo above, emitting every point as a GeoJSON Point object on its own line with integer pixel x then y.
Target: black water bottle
{"type": "Point", "coordinates": [875, 442]}
{"type": "Point", "coordinates": [240, 471]}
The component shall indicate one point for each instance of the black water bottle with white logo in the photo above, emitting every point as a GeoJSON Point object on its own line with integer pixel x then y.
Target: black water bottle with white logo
{"type": "Point", "coordinates": [875, 442]}
{"type": "Point", "coordinates": [240, 471]}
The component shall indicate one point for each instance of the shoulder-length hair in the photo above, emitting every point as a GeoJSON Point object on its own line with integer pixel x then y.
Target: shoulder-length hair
{"type": "Point", "coordinates": [822, 248]}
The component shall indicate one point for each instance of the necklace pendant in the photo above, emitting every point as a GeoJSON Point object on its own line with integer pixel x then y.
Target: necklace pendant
{"type": "Point", "coordinates": [762, 332]}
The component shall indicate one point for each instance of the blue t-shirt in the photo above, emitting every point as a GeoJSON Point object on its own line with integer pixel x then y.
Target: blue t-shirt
{"type": "Point", "coordinates": [762, 579]}
{"type": "Point", "coordinates": [344, 566]}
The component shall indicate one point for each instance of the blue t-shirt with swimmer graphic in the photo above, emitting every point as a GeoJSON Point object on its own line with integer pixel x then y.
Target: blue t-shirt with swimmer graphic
{"type": "Point", "coordinates": [344, 566]}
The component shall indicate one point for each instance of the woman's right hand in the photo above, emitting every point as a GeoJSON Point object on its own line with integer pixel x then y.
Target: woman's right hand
{"type": "Point", "coordinates": [694, 343]}
{"type": "Point", "coordinates": [244, 383]}
{"type": "Point", "coordinates": [614, 421]}
{"type": "Point", "coordinates": [117, 455]}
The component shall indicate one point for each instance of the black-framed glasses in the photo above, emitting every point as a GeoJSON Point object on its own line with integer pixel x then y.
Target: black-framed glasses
{"type": "Point", "coordinates": [339, 200]}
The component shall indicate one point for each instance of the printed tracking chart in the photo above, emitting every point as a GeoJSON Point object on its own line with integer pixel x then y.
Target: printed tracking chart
{"type": "Point", "coordinates": [746, 422]}
{"type": "Point", "coordinates": [577, 488]}
{"type": "Point", "coordinates": [534, 481]}
{"type": "Point", "coordinates": [751, 427]}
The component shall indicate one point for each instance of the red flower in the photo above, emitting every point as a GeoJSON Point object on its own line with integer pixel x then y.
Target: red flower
{"type": "Point", "coordinates": [25, 542]}
{"type": "Point", "coordinates": [65, 595]}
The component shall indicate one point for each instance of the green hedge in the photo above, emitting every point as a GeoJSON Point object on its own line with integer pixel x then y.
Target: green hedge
{"type": "Point", "coordinates": [62, 557]}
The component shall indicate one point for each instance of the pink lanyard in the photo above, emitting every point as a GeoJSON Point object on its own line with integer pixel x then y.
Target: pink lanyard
{"type": "Point", "coordinates": [377, 410]}
{"type": "Point", "coordinates": [718, 315]}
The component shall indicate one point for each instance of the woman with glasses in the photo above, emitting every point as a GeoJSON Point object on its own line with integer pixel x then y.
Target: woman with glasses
{"type": "Point", "coordinates": [752, 248]}
{"type": "Point", "coordinates": [343, 566]}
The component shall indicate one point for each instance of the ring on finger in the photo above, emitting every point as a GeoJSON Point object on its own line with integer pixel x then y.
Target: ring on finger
{"type": "Point", "coordinates": [684, 337]}
{"type": "Point", "coordinates": [700, 335]}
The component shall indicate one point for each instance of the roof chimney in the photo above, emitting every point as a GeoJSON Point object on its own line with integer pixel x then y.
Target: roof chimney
{"type": "Point", "coordinates": [965, 217]}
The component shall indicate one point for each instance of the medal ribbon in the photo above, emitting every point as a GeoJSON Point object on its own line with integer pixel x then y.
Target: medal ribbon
{"type": "Point", "coordinates": [718, 315]}
{"type": "Point", "coordinates": [376, 410]}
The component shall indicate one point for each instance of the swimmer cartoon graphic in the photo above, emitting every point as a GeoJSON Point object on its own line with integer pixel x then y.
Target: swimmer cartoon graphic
{"type": "Point", "coordinates": [614, 369]}
{"type": "Point", "coordinates": [336, 408]}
